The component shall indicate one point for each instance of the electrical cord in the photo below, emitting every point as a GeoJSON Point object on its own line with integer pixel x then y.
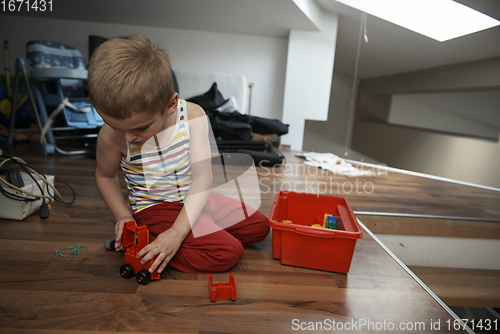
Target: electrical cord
{"type": "Point", "coordinates": [15, 187]}
{"type": "Point", "coordinates": [44, 208]}
{"type": "Point", "coordinates": [29, 171]}
{"type": "Point", "coordinates": [65, 103]}
{"type": "Point", "coordinates": [60, 200]}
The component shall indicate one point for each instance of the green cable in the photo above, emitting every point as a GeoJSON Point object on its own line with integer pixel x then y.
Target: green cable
{"type": "Point", "coordinates": [76, 250]}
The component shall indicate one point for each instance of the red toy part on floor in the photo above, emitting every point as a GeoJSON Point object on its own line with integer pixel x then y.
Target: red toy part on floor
{"type": "Point", "coordinates": [134, 239]}
{"type": "Point", "coordinates": [222, 290]}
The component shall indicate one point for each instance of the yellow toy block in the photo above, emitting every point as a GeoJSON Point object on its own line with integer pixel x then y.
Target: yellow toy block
{"type": "Point", "coordinates": [287, 222]}
{"type": "Point", "coordinates": [325, 218]}
{"type": "Point", "coordinates": [317, 225]}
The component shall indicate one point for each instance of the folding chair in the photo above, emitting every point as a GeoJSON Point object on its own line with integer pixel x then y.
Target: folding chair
{"type": "Point", "coordinates": [61, 72]}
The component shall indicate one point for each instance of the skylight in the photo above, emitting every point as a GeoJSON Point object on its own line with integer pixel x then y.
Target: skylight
{"type": "Point", "coordinates": [441, 20]}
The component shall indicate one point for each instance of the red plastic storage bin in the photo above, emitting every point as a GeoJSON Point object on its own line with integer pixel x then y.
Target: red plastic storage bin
{"type": "Point", "coordinates": [301, 245]}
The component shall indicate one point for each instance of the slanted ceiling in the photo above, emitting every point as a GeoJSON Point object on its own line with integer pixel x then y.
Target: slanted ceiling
{"type": "Point", "coordinates": [391, 49]}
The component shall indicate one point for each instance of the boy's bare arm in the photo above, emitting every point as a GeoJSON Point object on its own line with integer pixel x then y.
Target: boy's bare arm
{"type": "Point", "coordinates": [168, 242]}
{"type": "Point", "coordinates": [201, 167]}
{"type": "Point", "coordinates": [108, 160]}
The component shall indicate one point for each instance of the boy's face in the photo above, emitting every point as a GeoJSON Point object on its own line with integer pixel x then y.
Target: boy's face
{"type": "Point", "coordinates": [139, 127]}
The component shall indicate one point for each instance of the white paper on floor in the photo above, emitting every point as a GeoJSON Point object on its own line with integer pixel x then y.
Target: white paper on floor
{"type": "Point", "coordinates": [333, 163]}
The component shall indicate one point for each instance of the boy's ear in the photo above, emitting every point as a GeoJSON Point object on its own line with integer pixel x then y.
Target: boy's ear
{"type": "Point", "coordinates": [172, 104]}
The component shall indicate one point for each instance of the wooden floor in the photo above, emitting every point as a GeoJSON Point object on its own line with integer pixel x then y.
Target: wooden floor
{"type": "Point", "coordinates": [41, 292]}
{"type": "Point", "coordinates": [394, 192]}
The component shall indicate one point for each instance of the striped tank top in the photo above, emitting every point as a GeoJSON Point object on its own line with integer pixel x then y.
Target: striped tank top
{"type": "Point", "coordinates": [159, 171]}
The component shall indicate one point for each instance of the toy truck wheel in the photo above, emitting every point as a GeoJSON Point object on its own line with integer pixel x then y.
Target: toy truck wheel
{"type": "Point", "coordinates": [143, 277]}
{"type": "Point", "coordinates": [127, 270]}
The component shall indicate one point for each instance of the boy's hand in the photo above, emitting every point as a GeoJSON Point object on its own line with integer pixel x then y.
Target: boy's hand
{"type": "Point", "coordinates": [119, 232]}
{"type": "Point", "coordinates": [165, 246]}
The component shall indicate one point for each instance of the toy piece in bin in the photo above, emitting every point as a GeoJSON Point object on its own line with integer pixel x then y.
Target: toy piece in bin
{"type": "Point", "coordinates": [340, 226]}
{"type": "Point", "coordinates": [287, 221]}
{"type": "Point", "coordinates": [302, 246]}
{"type": "Point", "coordinates": [330, 222]}
{"type": "Point", "coordinates": [222, 290]}
{"type": "Point", "coordinates": [134, 239]}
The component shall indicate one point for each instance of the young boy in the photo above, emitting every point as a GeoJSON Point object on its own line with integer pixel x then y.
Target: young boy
{"type": "Point", "coordinates": [161, 143]}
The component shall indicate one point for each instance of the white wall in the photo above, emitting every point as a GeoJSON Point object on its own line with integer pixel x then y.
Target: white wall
{"type": "Point", "coordinates": [331, 135]}
{"type": "Point", "coordinates": [465, 113]}
{"type": "Point", "coordinates": [261, 59]}
{"type": "Point", "coordinates": [456, 157]}
{"type": "Point", "coordinates": [308, 78]}
{"type": "Point", "coordinates": [459, 158]}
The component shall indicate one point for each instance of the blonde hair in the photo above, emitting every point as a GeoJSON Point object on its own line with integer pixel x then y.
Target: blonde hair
{"type": "Point", "coordinates": [129, 75]}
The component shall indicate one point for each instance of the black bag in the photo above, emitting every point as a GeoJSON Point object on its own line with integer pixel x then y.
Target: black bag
{"type": "Point", "coordinates": [228, 145]}
{"type": "Point", "coordinates": [229, 130]}
{"type": "Point", "coordinates": [234, 125]}
{"type": "Point", "coordinates": [261, 125]}
{"type": "Point", "coordinates": [261, 152]}
{"type": "Point", "coordinates": [211, 100]}
{"type": "Point", "coordinates": [266, 126]}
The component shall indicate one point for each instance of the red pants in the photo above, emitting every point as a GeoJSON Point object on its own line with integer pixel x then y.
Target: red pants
{"type": "Point", "coordinates": [215, 252]}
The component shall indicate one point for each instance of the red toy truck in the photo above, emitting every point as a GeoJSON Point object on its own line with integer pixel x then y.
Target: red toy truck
{"type": "Point", "coordinates": [134, 239]}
